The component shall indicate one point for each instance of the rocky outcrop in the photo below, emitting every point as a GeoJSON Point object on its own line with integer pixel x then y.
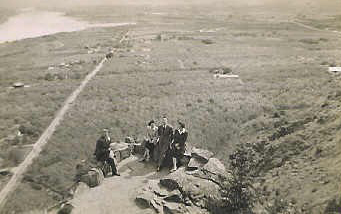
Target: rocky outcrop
{"type": "Point", "coordinates": [92, 172]}
{"type": "Point", "coordinates": [121, 150]}
{"type": "Point", "coordinates": [186, 190]}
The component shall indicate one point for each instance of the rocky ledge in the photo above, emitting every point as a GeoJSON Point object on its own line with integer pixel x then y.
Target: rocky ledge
{"type": "Point", "coordinates": [193, 188]}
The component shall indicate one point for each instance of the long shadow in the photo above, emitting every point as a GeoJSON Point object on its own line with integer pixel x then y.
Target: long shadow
{"type": "Point", "coordinates": [147, 169]}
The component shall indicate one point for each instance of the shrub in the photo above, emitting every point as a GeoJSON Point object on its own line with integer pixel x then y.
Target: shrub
{"type": "Point", "coordinates": [278, 206]}
{"type": "Point", "coordinates": [309, 41]}
{"type": "Point", "coordinates": [238, 193]}
{"type": "Point", "coordinates": [333, 206]}
{"type": "Point", "coordinates": [28, 129]}
{"type": "Point", "coordinates": [207, 41]}
{"type": "Point", "coordinates": [49, 77]}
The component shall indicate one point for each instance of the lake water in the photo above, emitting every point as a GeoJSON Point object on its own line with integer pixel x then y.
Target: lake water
{"type": "Point", "coordinates": [33, 23]}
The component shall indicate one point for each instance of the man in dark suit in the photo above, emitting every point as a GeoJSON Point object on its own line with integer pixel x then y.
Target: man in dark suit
{"type": "Point", "coordinates": [178, 145]}
{"type": "Point", "coordinates": [165, 133]}
{"type": "Point", "coordinates": [102, 151]}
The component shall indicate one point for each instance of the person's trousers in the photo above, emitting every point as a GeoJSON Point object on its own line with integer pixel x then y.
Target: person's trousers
{"type": "Point", "coordinates": [112, 164]}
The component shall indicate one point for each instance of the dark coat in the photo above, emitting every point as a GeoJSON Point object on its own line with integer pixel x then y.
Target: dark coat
{"type": "Point", "coordinates": [179, 145]}
{"type": "Point", "coordinates": [165, 137]}
{"type": "Point", "coordinates": [102, 148]}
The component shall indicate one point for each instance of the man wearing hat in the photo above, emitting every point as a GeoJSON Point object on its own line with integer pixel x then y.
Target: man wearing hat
{"type": "Point", "coordinates": [102, 151]}
{"type": "Point", "coordinates": [178, 145]}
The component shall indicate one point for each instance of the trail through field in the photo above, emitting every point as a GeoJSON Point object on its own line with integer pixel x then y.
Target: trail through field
{"type": "Point", "coordinates": [314, 28]}
{"type": "Point", "coordinates": [117, 194]}
{"type": "Point", "coordinates": [42, 141]}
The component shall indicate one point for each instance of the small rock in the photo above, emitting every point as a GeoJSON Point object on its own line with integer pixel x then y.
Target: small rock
{"type": "Point", "coordinates": [195, 163]}
{"type": "Point", "coordinates": [93, 178]}
{"type": "Point", "coordinates": [18, 85]}
{"type": "Point", "coordinates": [65, 209]}
{"type": "Point", "coordinates": [214, 166]}
{"type": "Point", "coordinates": [174, 196]}
{"type": "Point", "coordinates": [174, 208]}
{"type": "Point", "coordinates": [144, 199]}
{"type": "Point", "coordinates": [81, 189]}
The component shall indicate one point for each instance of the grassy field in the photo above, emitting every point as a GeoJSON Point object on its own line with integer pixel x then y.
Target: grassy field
{"type": "Point", "coordinates": [163, 68]}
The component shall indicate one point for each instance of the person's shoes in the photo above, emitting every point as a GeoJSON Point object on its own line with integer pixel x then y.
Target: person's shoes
{"type": "Point", "coordinates": [172, 170]}
{"type": "Point", "coordinates": [141, 160]}
{"type": "Point", "coordinates": [158, 169]}
{"type": "Point", "coordinates": [117, 174]}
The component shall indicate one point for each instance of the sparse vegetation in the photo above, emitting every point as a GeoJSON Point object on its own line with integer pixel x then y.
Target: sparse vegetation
{"type": "Point", "coordinates": [125, 95]}
{"type": "Point", "coordinates": [207, 41]}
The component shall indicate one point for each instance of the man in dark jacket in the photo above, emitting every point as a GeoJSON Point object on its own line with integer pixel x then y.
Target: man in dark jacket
{"type": "Point", "coordinates": [178, 145]}
{"type": "Point", "coordinates": [165, 134]}
{"type": "Point", "coordinates": [102, 151]}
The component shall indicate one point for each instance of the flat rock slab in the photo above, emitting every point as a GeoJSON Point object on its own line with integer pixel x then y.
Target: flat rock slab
{"type": "Point", "coordinates": [117, 194]}
{"type": "Point", "coordinates": [202, 154]}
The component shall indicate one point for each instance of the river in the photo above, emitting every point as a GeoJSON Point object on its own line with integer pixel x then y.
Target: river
{"type": "Point", "coordinates": [31, 23]}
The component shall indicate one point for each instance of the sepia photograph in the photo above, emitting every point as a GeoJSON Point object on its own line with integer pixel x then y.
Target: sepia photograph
{"type": "Point", "coordinates": [170, 106]}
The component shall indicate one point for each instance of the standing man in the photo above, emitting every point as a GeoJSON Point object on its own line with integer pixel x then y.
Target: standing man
{"type": "Point", "coordinates": [165, 133]}
{"type": "Point", "coordinates": [102, 151]}
{"type": "Point", "coordinates": [178, 144]}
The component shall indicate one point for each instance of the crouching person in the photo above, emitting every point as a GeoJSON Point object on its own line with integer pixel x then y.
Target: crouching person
{"type": "Point", "coordinates": [103, 153]}
{"type": "Point", "coordinates": [178, 145]}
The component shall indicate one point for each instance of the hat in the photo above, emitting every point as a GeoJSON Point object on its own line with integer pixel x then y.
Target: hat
{"type": "Point", "coordinates": [151, 122]}
{"type": "Point", "coordinates": [181, 124]}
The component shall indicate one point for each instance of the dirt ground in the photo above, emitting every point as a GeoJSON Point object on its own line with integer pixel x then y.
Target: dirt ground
{"type": "Point", "coordinates": [162, 67]}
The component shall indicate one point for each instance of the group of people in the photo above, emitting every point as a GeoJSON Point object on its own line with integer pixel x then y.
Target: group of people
{"type": "Point", "coordinates": [160, 142]}
{"type": "Point", "coordinates": [163, 140]}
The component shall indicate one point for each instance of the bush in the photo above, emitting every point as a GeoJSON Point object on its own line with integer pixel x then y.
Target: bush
{"type": "Point", "coordinates": [49, 77]}
{"type": "Point", "coordinates": [278, 206]}
{"type": "Point", "coordinates": [309, 41]}
{"type": "Point", "coordinates": [28, 129]}
{"type": "Point", "coordinates": [207, 41]}
{"type": "Point", "coordinates": [238, 192]}
{"type": "Point", "coordinates": [334, 206]}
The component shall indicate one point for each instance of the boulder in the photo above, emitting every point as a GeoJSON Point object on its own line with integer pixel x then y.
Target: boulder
{"type": "Point", "coordinates": [199, 190]}
{"type": "Point", "coordinates": [93, 178]}
{"type": "Point", "coordinates": [138, 148]}
{"type": "Point", "coordinates": [121, 150]}
{"type": "Point", "coordinates": [215, 171]}
{"type": "Point", "coordinates": [201, 154]}
{"type": "Point", "coordinates": [195, 163]}
{"type": "Point", "coordinates": [125, 152]}
{"type": "Point", "coordinates": [65, 209]}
